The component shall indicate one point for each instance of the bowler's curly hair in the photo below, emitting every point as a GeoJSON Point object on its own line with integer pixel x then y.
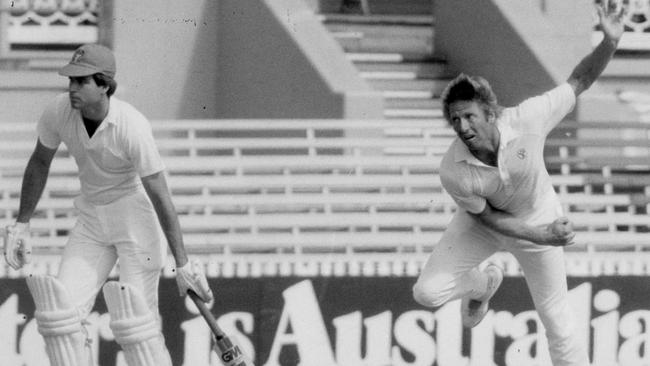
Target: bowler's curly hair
{"type": "Point", "coordinates": [470, 88]}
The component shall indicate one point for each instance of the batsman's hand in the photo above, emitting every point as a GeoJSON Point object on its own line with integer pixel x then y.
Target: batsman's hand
{"type": "Point", "coordinates": [18, 248]}
{"type": "Point", "coordinates": [191, 277]}
{"type": "Point", "coordinates": [560, 232]}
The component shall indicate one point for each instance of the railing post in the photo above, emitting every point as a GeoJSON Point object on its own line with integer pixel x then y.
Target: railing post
{"type": "Point", "coordinates": [5, 13]}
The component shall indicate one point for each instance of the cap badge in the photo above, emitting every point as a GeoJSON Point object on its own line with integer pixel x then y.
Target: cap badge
{"type": "Point", "coordinates": [521, 154]}
{"type": "Point", "coordinates": [77, 55]}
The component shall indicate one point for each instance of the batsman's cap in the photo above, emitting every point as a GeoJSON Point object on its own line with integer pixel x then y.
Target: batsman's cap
{"type": "Point", "coordinates": [90, 59]}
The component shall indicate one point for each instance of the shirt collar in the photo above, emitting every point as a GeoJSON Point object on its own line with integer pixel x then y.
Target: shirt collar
{"type": "Point", "coordinates": [111, 117]}
{"type": "Point", "coordinates": [462, 153]}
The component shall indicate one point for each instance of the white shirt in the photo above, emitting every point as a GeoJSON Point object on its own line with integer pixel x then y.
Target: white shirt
{"type": "Point", "coordinates": [111, 162]}
{"type": "Point", "coordinates": [520, 184]}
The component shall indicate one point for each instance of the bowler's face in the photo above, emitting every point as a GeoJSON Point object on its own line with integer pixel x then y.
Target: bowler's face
{"type": "Point", "coordinates": [472, 125]}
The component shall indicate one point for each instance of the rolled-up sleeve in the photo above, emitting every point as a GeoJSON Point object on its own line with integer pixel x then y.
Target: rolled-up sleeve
{"type": "Point", "coordinates": [46, 127]}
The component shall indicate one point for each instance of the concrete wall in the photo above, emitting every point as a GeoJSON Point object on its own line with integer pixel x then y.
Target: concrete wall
{"type": "Point", "coordinates": [523, 47]}
{"type": "Point", "coordinates": [167, 57]}
{"type": "Point", "coordinates": [234, 59]}
{"type": "Point", "coordinates": [277, 60]}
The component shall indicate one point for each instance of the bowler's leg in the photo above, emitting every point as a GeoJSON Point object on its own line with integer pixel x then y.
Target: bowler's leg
{"type": "Point", "coordinates": [546, 278]}
{"type": "Point", "coordinates": [451, 271]}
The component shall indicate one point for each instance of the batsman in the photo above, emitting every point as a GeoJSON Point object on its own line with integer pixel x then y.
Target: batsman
{"type": "Point", "coordinates": [125, 214]}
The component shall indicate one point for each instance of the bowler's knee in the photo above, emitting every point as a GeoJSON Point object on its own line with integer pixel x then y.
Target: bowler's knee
{"type": "Point", "coordinates": [430, 293]}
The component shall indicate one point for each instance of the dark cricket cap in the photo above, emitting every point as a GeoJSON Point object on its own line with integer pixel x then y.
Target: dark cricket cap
{"type": "Point", "coordinates": [90, 59]}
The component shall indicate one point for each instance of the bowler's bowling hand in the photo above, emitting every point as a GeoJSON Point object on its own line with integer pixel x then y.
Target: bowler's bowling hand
{"type": "Point", "coordinates": [560, 233]}
{"type": "Point", "coordinates": [191, 277]}
{"type": "Point", "coordinates": [611, 14]}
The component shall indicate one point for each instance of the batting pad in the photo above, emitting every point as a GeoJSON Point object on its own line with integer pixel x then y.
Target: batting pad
{"type": "Point", "coordinates": [135, 327]}
{"type": "Point", "coordinates": [59, 323]}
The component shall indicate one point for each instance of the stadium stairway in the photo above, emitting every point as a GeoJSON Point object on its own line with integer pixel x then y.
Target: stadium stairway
{"type": "Point", "coordinates": [392, 45]}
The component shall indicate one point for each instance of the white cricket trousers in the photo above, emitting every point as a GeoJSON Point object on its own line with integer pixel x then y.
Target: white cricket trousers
{"type": "Point", "coordinates": [126, 229]}
{"type": "Point", "coordinates": [451, 273]}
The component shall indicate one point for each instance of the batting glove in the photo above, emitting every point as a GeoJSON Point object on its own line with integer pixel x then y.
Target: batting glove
{"type": "Point", "coordinates": [191, 277]}
{"type": "Point", "coordinates": [18, 249]}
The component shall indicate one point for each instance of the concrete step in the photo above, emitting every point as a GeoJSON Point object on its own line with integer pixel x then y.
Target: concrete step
{"type": "Point", "coordinates": [413, 113]}
{"type": "Point", "coordinates": [634, 42]}
{"type": "Point", "coordinates": [371, 30]}
{"type": "Point", "coordinates": [434, 69]}
{"type": "Point", "coordinates": [627, 66]}
{"type": "Point", "coordinates": [413, 20]}
{"type": "Point", "coordinates": [413, 7]}
{"type": "Point", "coordinates": [35, 61]}
{"type": "Point", "coordinates": [412, 103]}
{"type": "Point", "coordinates": [436, 86]}
{"type": "Point", "coordinates": [626, 73]}
{"type": "Point", "coordinates": [619, 84]}
{"type": "Point", "coordinates": [14, 63]}
{"type": "Point", "coordinates": [597, 104]}
{"type": "Point", "coordinates": [390, 57]}
{"type": "Point", "coordinates": [409, 94]}
{"type": "Point", "coordinates": [360, 42]}
{"type": "Point", "coordinates": [53, 64]}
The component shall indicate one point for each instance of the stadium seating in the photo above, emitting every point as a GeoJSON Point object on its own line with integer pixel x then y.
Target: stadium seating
{"type": "Point", "coordinates": [320, 186]}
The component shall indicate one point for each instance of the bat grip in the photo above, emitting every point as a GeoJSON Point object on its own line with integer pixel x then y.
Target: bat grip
{"type": "Point", "coordinates": [207, 315]}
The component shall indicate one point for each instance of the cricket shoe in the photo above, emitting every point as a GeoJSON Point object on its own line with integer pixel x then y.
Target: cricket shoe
{"type": "Point", "coordinates": [474, 310]}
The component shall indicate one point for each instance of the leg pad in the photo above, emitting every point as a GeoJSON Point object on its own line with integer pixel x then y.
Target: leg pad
{"type": "Point", "coordinates": [59, 323]}
{"type": "Point", "coordinates": [135, 327]}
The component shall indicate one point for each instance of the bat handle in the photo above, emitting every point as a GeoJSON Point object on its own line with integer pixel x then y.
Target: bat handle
{"type": "Point", "coordinates": [207, 315]}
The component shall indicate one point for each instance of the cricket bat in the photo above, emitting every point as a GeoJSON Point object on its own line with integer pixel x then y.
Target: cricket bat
{"type": "Point", "coordinates": [229, 353]}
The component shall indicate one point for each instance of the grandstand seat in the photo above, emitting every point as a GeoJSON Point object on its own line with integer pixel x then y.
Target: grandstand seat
{"type": "Point", "coordinates": [312, 186]}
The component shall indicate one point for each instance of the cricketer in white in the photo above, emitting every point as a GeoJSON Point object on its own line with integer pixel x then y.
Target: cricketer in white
{"type": "Point", "coordinates": [495, 172]}
{"type": "Point", "coordinates": [124, 212]}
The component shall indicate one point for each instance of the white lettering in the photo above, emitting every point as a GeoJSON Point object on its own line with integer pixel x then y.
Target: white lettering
{"type": "Point", "coordinates": [309, 334]}
{"type": "Point", "coordinates": [527, 349]}
{"type": "Point", "coordinates": [10, 319]}
{"type": "Point", "coordinates": [449, 333]}
{"type": "Point", "coordinates": [408, 340]}
{"type": "Point", "coordinates": [413, 333]}
{"type": "Point", "coordinates": [634, 328]}
{"type": "Point", "coordinates": [580, 303]}
{"type": "Point", "coordinates": [32, 346]}
{"type": "Point", "coordinates": [196, 347]}
{"type": "Point", "coordinates": [605, 337]}
{"type": "Point", "coordinates": [349, 339]}
{"type": "Point", "coordinates": [482, 352]}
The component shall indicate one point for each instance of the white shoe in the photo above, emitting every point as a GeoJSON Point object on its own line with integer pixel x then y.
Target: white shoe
{"type": "Point", "coordinates": [474, 310]}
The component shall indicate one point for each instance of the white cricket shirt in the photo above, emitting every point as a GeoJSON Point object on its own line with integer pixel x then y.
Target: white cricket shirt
{"type": "Point", "coordinates": [111, 162]}
{"type": "Point", "coordinates": [520, 184]}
